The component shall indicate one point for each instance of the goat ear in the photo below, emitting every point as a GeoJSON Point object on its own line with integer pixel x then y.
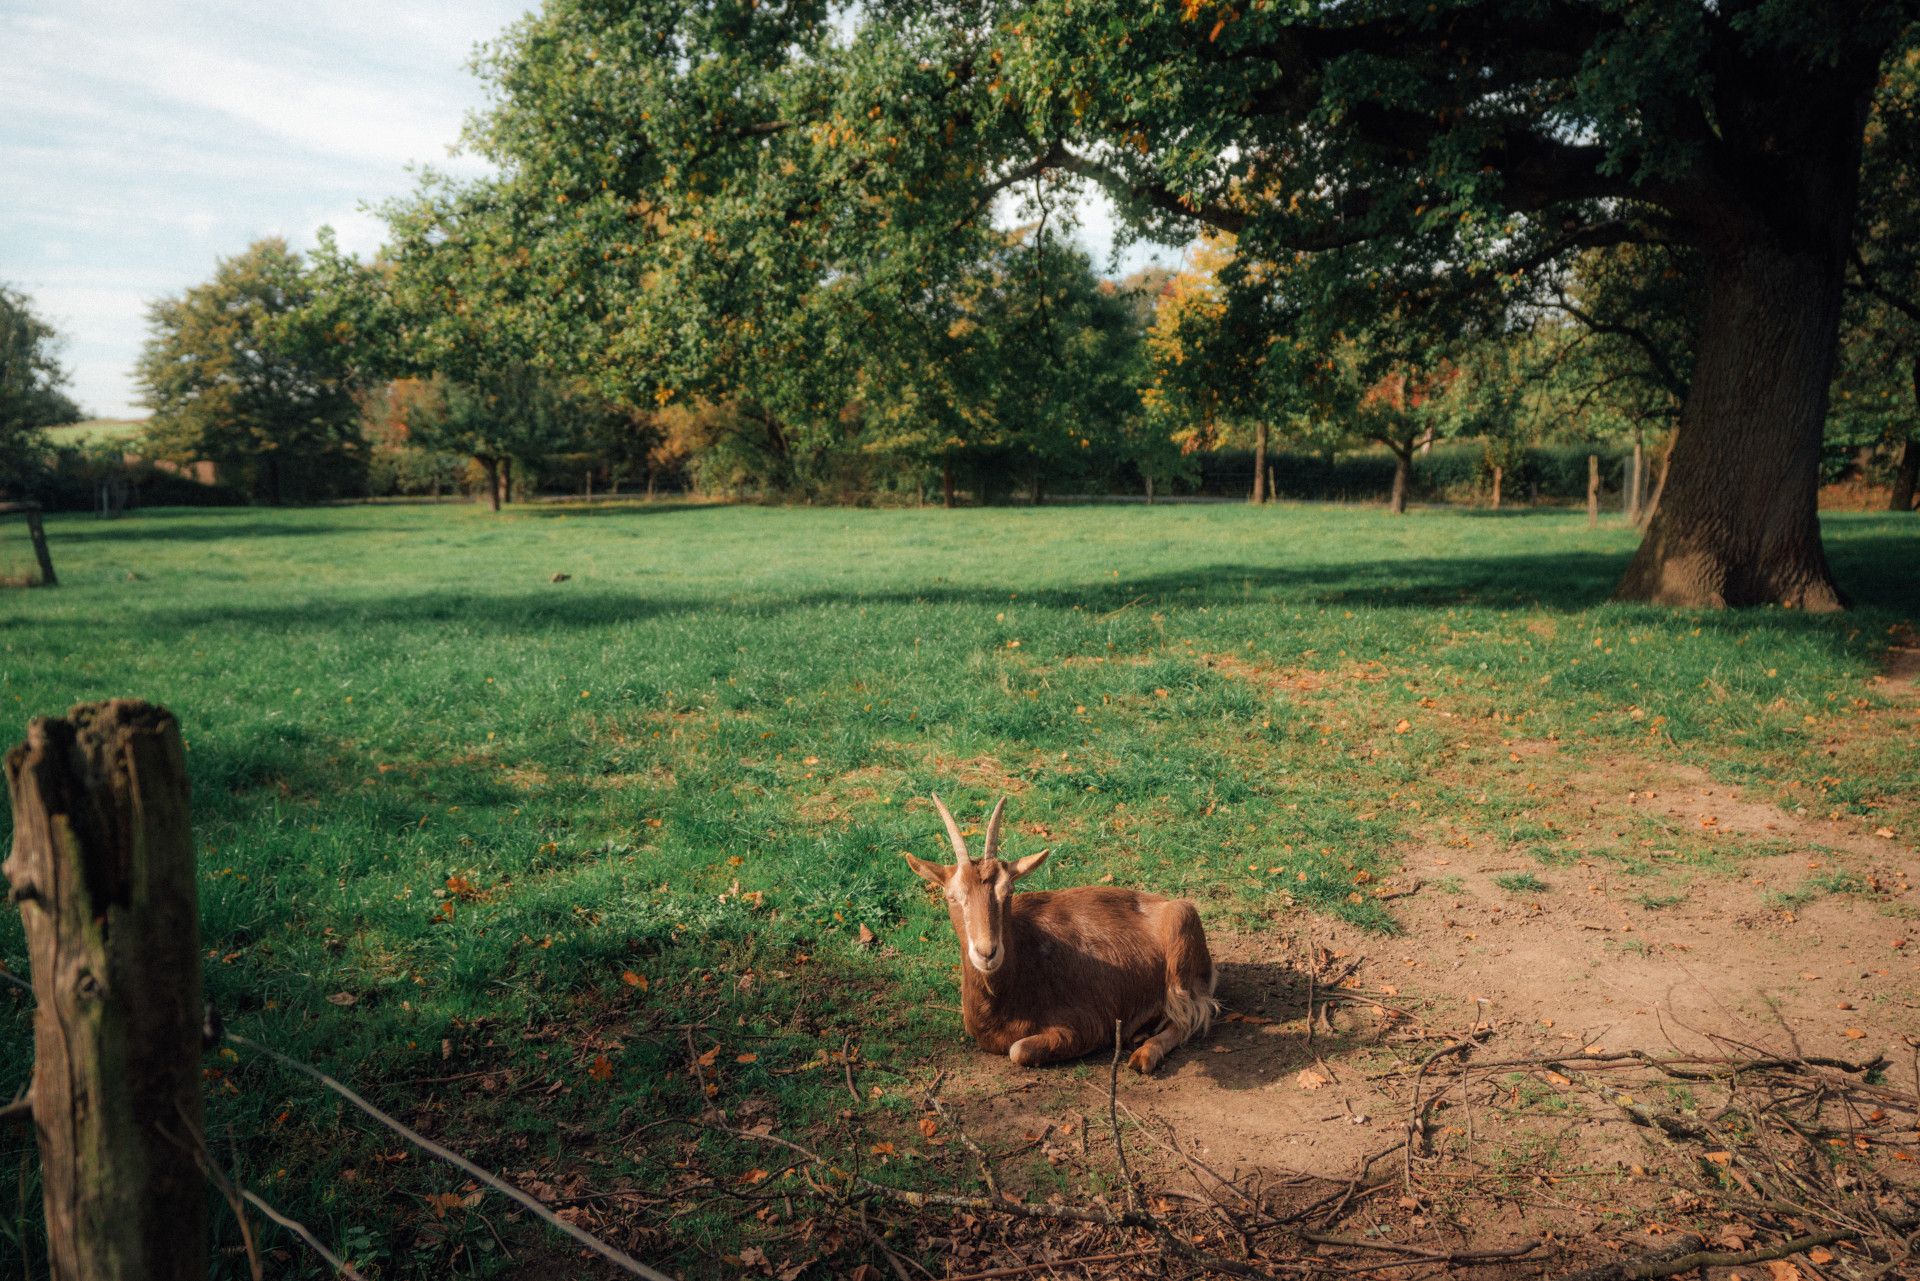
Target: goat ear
{"type": "Point", "coordinates": [933, 874]}
{"type": "Point", "coordinates": [1032, 862]}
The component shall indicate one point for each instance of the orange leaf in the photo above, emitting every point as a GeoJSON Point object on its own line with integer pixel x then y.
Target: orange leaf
{"type": "Point", "coordinates": [1720, 1158]}
{"type": "Point", "coordinates": [602, 1069]}
{"type": "Point", "coordinates": [634, 980]}
{"type": "Point", "coordinates": [707, 1059]}
{"type": "Point", "coordinates": [928, 1127]}
{"type": "Point", "coordinates": [754, 1175]}
{"type": "Point", "coordinates": [882, 1149]}
{"type": "Point", "coordinates": [1217, 28]}
{"type": "Point", "coordinates": [1855, 1034]}
{"type": "Point", "coordinates": [746, 1058]}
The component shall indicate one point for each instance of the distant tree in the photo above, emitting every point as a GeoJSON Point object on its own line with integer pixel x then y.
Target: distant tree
{"type": "Point", "coordinates": [239, 371]}
{"type": "Point", "coordinates": [31, 382]}
{"type": "Point", "coordinates": [1882, 324]}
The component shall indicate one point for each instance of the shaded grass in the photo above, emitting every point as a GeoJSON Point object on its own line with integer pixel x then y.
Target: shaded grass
{"type": "Point", "coordinates": [448, 806]}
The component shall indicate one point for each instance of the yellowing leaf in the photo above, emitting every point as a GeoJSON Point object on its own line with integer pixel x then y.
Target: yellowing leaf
{"type": "Point", "coordinates": [634, 980]}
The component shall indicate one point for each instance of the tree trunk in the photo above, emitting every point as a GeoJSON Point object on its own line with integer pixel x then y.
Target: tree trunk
{"type": "Point", "coordinates": [1037, 490]}
{"type": "Point", "coordinates": [1402, 462]}
{"type": "Point", "coordinates": [1636, 482]}
{"type": "Point", "coordinates": [946, 485]}
{"type": "Point", "coordinates": [1593, 489]}
{"type": "Point", "coordinates": [1498, 473]}
{"type": "Point", "coordinates": [506, 480]}
{"type": "Point", "coordinates": [1908, 475]}
{"type": "Point", "coordinates": [1260, 464]}
{"type": "Point", "coordinates": [102, 867]}
{"type": "Point", "coordinates": [1149, 489]}
{"type": "Point", "coordinates": [492, 467]}
{"type": "Point", "coordinates": [1736, 522]}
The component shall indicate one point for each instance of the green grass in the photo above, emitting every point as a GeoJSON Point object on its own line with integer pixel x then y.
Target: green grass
{"type": "Point", "coordinates": [93, 430]}
{"type": "Point", "coordinates": [470, 799]}
{"type": "Point", "coordinates": [1521, 883]}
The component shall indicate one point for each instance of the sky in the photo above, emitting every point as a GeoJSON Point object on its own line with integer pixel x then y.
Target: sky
{"type": "Point", "coordinates": [142, 142]}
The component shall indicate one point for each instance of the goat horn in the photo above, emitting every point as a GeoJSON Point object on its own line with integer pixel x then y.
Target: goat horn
{"type": "Point", "coordinates": [993, 829]}
{"type": "Point", "coordinates": [953, 832]}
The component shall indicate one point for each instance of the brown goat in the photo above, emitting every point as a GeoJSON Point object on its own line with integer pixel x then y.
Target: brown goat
{"type": "Point", "coordinates": [1045, 975]}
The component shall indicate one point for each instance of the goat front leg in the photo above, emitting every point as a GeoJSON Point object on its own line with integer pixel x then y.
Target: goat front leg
{"type": "Point", "coordinates": [1048, 1045]}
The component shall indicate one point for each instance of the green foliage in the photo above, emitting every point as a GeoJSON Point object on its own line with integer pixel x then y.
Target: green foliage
{"type": "Point", "coordinates": [243, 372]}
{"type": "Point", "coordinates": [31, 379]}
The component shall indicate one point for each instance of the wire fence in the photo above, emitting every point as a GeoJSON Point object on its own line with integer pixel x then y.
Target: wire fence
{"type": "Point", "coordinates": [234, 1193]}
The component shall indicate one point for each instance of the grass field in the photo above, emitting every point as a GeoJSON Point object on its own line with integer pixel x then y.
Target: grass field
{"type": "Point", "coordinates": [93, 430]}
{"type": "Point", "coordinates": [461, 822]}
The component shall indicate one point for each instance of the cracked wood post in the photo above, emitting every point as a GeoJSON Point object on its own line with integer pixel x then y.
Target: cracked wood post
{"type": "Point", "coordinates": [103, 870]}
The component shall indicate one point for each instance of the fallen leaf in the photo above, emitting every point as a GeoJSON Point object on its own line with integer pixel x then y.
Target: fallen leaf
{"type": "Point", "coordinates": [1855, 1034]}
{"type": "Point", "coordinates": [1720, 1158]}
{"type": "Point", "coordinates": [881, 1149]}
{"type": "Point", "coordinates": [1820, 1254]}
{"type": "Point", "coordinates": [602, 1069]}
{"type": "Point", "coordinates": [1781, 1270]}
{"type": "Point", "coordinates": [707, 1059]}
{"type": "Point", "coordinates": [928, 1127]}
{"type": "Point", "coordinates": [867, 937]}
{"type": "Point", "coordinates": [634, 980]}
{"type": "Point", "coordinates": [746, 1058]}
{"type": "Point", "coordinates": [342, 998]}
{"type": "Point", "coordinates": [754, 1175]}
{"type": "Point", "coordinates": [1310, 1079]}
{"type": "Point", "coordinates": [1402, 727]}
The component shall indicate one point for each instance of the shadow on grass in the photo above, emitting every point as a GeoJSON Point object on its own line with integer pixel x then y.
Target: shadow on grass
{"type": "Point", "coordinates": [1877, 570]}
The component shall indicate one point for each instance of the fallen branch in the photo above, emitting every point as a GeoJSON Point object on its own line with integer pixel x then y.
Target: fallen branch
{"type": "Point", "coordinates": [1689, 1253]}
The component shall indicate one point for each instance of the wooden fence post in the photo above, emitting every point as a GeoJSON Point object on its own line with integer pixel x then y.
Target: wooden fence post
{"type": "Point", "coordinates": [1593, 489]}
{"type": "Point", "coordinates": [103, 870]}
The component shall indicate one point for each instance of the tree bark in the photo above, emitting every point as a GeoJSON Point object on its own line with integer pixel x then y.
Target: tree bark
{"type": "Point", "coordinates": [1149, 489]}
{"type": "Point", "coordinates": [103, 870]}
{"type": "Point", "coordinates": [1037, 490]}
{"type": "Point", "coordinates": [1402, 462]}
{"type": "Point", "coordinates": [946, 485]}
{"type": "Point", "coordinates": [1737, 520]}
{"type": "Point", "coordinates": [506, 479]}
{"type": "Point", "coordinates": [1498, 472]}
{"type": "Point", "coordinates": [1260, 464]}
{"type": "Point", "coordinates": [1593, 489]}
{"type": "Point", "coordinates": [1908, 475]}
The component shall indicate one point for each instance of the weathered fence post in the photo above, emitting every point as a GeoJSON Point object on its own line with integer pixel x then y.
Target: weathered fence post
{"type": "Point", "coordinates": [1593, 489]}
{"type": "Point", "coordinates": [102, 868]}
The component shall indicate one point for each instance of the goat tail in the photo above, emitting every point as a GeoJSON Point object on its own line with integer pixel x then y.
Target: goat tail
{"type": "Point", "coordinates": [1190, 1014]}
{"type": "Point", "coordinates": [1191, 975]}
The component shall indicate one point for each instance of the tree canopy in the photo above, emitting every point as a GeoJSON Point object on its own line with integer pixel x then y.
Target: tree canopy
{"type": "Point", "coordinates": [32, 385]}
{"type": "Point", "coordinates": [245, 372]}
